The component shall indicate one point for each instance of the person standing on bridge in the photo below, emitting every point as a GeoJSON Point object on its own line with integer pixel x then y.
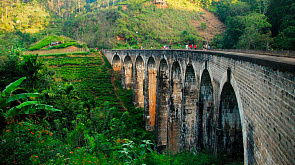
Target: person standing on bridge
{"type": "Point", "coordinates": [195, 46]}
{"type": "Point", "coordinates": [186, 47]}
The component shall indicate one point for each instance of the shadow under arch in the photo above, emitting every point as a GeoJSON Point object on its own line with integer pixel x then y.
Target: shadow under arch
{"type": "Point", "coordinates": [116, 63]}
{"type": "Point", "coordinates": [127, 72]}
{"type": "Point", "coordinates": [139, 82]}
{"type": "Point", "coordinates": [205, 113]}
{"type": "Point", "coordinates": [174, 121]}
{"type": "Point", "coordinates": [161, 105]}
{"type": "Point", "coordinates": [229, 133]}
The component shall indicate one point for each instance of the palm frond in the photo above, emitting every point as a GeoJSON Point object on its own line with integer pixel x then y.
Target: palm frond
{"type": "Point", "coordinates": [21, 96]}
{"type": "Point", "coordinates": [16, 110]}
{"type": "Point", "coordinates": [12, 86]}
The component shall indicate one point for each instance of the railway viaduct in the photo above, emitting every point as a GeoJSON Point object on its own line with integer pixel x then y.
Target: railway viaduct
{"type": "Point", "coordinates": [239, 104]}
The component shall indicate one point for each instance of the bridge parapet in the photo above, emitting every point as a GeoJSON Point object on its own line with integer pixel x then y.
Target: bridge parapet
{"type": "Point", "coordinates": [242, 104]}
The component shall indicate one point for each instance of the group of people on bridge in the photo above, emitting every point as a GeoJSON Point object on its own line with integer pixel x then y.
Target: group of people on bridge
{"type": "Point", "coordinates": [206, 47]}
{"type": "Point", "coordinates": [187, 47]}
{"type": "Point", "coordinates": [191, 47]}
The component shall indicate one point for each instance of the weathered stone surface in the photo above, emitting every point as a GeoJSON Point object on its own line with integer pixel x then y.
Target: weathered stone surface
{"type": "Point", "coordinates": [139, 82]}
{"type": "Point", "coordinates": [205, 115]}
{"type": "Point", "coordinates": [151, 94]}
{"type": "Point", "coordinates": [128, 73]}
{"type": "Point", "coordinates": [162, 104]}
{"type": "Point", "coordinates": [189, 124]}
{"type": "Point", "coordinates": [116, 63]}
{"type": "Point", "coordinates": [234, 102]}
{"type": "Point", "coordinates": [174, 116]}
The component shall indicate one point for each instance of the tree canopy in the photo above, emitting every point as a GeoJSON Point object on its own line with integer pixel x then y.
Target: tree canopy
{"type": "Point", "coordinates": [251, 24]}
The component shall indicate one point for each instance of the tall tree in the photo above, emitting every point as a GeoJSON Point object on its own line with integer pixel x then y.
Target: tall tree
{"type": "Point", "coordinates": [256, 34]}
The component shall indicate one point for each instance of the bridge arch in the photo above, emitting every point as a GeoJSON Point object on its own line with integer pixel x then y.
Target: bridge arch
{"type": "Point", "coordinates": [116, 63]}
{"type": "Point", "coordinates": [151, 92]}
{"type": "Point", "coordinates": [230, 133]}
{"type": "Point", "coordinates": [139, 82]}
{"type": "Point", "coordinates": [190, 96]}
{"type": "Point", "coordinates": [263, 91]}
{"type": "Point", "coordinates": [174, 121]}
{"type": "Point", "coordinates": [128, 72]}
{"type": "Point", "coordinates": [162, 104]}
{"type": "Point", "coordinates": [205, 112]}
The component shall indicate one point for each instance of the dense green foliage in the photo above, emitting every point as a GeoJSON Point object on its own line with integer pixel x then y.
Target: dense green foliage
{"type": "Point", "coordinates": [141, 25]}
{"type": "Point", "coordinates": [281, 16]}
{"type": "Point", "coordinates": [256, 24]}
{"type": "Point", "coordinates": [98, 122]}
{"type": "Point", "coordinates": [27, 17]}
{"type": "Point", "coordinates": [91, 127]}
{"type": "Point", "coordinates": [135, 23]}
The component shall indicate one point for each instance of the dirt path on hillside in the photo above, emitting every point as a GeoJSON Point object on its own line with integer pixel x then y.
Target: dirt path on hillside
{"type": "Point", "coordinates": [113, 79]}
{"type": "Point", "coordinates": [214, 25]}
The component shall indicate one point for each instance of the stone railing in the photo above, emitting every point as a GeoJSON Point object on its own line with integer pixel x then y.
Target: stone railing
{"type": "Point", "coordinates": [278, 53]}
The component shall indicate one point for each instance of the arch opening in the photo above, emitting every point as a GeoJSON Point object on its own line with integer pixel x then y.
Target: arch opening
{"type": "Point", "coordinates": [139, 82]}
{"type": "Point", "coordinates": [230, 137]}
{"type": "Point", "coordinates": [190, 108]}
{"type": "Point", "coordinates": [117, 66]}
{"type": "Point", "coordinates": [128, 70]}
{"type": "Point", "coordinates": [151, 87]}
{"type": "Point", "coordinates": [205, 113]}
{"type": "Point", "coordinates": [175, 109]}
{"type": "Point", "coordinates": [162, 105]}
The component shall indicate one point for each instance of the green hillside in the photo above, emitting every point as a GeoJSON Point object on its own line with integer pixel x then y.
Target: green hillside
{"type": "Point", "coordinates": [141, 24]}
{"type": "Point", "coordinates": [96, 121]}
{"type": "Point", "coordinates": [255, 24]}
{"type": "Point", "coordinates": [69, 107]}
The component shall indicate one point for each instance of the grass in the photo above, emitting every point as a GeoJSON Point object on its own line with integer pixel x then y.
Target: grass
{"type": "Point", "coordinates": [47, 40]}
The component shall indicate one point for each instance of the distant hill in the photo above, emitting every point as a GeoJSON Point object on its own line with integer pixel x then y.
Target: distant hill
{"type": "Point", "coordinates": [235, 24]}
{"type": "Point", "coordinates": [144, 23]}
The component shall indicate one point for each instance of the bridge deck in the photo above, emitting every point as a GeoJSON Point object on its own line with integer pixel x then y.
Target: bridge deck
{"type": "Point", "coordinates": [275, 58]}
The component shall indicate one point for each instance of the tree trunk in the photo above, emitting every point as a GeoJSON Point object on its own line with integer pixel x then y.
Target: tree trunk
{"type": "Point", "coordinates": [2, 11]}
{"type": "Point", "coordinates": [79, 5]}
{"type": "Point", "coordinates": [58, 8]}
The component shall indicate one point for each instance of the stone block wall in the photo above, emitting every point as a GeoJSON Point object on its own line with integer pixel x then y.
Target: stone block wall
{"type": "Point", "coordinates": [231, 102]}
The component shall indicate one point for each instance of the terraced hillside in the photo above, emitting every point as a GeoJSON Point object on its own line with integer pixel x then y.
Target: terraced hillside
{"type": "Point", "coordinates": [98, 87]}
{"type": "Point", "coordinates": [88, 75]}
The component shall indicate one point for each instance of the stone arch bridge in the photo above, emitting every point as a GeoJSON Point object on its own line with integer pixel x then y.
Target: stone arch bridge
{"type": "Point", "coordinates": [239, 104]}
